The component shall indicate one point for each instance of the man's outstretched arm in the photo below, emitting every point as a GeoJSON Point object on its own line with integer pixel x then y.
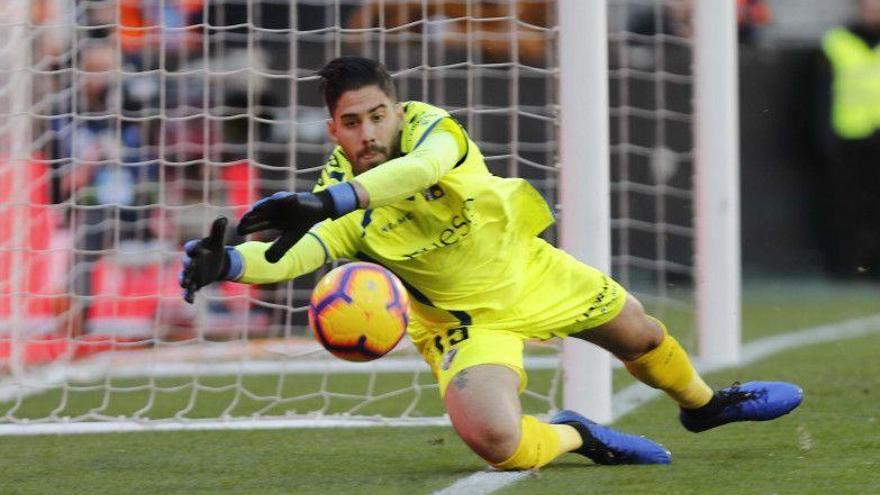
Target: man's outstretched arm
{"type": "Point", "coordinates": [207, 260]}
{"type": "Point", "coordinates": [306, 256]}
{"type": "Point", "coordinates": [402, 177]}
{"type": "Point", "coordinates": [295, 213]}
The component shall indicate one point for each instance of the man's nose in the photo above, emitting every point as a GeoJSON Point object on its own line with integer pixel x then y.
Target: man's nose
{"type": "Point", "coordinates": [368, 133]}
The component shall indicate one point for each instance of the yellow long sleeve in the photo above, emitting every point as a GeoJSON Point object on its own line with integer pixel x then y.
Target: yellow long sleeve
{"type": "Point", "coordinates": [305, 256]}
{"type": "Point", "coordinates": [402, 177]}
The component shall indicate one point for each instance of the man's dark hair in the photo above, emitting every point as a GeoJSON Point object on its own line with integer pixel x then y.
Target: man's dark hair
{"type": "Point", "coordinates": [351, 73]}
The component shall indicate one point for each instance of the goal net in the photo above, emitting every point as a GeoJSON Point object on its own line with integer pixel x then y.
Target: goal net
{"type": "Point", "coordinates": [126, 126]}
{"type": "Point", "coordinates": [652, 156]}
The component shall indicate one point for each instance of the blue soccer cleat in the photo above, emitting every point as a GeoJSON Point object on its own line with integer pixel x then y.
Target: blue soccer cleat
{"type": "Point", "coordinates": [752, 401]}
{"type": "Point", "coordinates": [606, 446]}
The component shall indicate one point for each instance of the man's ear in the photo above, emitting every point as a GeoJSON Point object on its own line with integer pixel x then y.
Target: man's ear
{"type": "Point", "coordinates": [331, 130]}
{"type": "Point", "coordinates": [398, 110]}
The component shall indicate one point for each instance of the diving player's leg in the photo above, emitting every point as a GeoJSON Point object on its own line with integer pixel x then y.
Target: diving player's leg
{"type": "Point", "coordinates": [656, 358]}
{"type": "Point", "coordinates": [480, 373]}
{"type": "Point", "coordinates": [484, 408]}
{"type": "Point", "coordinates": [480, 381]}
{"type": "Point", "coordinates": [650, 354]}
{"type": "Point", "coordinates": [590, 305]}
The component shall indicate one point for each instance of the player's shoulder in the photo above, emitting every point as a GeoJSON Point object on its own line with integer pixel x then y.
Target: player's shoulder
{"type": "Point", "coordinates": [416, 111]}
{"type": "Point", "coordinates": [336, 169]}
{"type": "Point", "coordinates": [420, 119]}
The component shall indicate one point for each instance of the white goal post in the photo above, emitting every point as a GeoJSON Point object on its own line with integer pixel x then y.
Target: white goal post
{"type": "Point", "coordinates": [584, 184]}
{"type": "Point", "coordinates": [717, 182]}
{"type": "Point", "coordinates": [125, 127]}
{"type": "Point", "coordinates": [585, 180]}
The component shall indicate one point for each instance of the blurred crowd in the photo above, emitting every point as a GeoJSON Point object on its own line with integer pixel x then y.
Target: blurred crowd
{"type": "Point", "coordinates": [147, 114]}
{"type": "Point", "coordinates": [133, 163]}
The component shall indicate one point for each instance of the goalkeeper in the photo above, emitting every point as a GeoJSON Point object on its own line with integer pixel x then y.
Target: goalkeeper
{"type": "Point", "coordinates": [406, 188]}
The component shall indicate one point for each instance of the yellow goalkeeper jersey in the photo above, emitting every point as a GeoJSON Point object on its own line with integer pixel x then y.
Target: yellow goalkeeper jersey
{"type": "Point", "coordinates": [459, 244]}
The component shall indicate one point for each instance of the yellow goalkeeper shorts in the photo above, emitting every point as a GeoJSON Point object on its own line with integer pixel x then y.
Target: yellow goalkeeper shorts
{"type": "Point", "coordinates": [563, 296]}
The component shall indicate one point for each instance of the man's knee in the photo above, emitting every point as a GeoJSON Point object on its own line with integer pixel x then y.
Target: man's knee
{"type": "Point", "coordinates": [630, 335]}
{"type": "Point", "coordinates": [493, 441]}
{"type": "Point", "coordinates": [646, 334]}
{"type": "Point", "coordinates": [650, 333]}
{"type": "Point", "coordinates": [484, 408]}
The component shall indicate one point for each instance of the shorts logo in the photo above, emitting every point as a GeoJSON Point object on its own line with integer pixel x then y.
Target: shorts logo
{"type": "Point", "coordinates": [447, 359]}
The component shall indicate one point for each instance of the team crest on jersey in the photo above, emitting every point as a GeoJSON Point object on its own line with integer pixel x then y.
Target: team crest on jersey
{"type": "Point", "coordinates": [406, 217]}
{"type": "Point", "coordinates": [448, 356]}
{"type": "Point", "coordinates": [433, 192]}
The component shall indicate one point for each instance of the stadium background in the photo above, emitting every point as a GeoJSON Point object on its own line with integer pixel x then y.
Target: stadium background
{"type": "Point", "coordinates": [784, 235]}
{"type": "Point", "coordinates": [164, 138]}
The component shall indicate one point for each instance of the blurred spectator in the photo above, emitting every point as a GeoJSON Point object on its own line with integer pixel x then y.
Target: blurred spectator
{"type": "Point", "coordinates": [674, 18]}
{"type": "Point", "coordinates": [86, 126]}
{"type": "Point", "coordinates": [148, 26]}
{"type": "Point", "coordinates": [751, 16]}
{"type": "Point", "coordinates": [96, 159]}
{"type": "Point", "coordinates": [127, 95]}
{"type": "Point", "coordinates": [645, 50]}
{"type": "Point", "coordinates": [492, 23]}
{"type": "Point", "coordinates": [96, 19]}
{"type": "Point", "coordinates": [849, 118]}
{"type": "Point", "coordinates": [51, 39]}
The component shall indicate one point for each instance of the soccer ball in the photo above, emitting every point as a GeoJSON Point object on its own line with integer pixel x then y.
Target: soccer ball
{"type": "Point", "coordinates": [359, 311]}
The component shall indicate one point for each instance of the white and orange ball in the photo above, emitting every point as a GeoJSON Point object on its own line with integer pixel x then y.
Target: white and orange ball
{"type": "Point", "coordinates": [359, 311]}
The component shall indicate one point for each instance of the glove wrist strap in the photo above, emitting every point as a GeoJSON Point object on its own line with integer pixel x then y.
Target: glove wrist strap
{"type": "Point", "coordinates": [339, 199]}
{"type": "Point", "coordinates": [233, 265]}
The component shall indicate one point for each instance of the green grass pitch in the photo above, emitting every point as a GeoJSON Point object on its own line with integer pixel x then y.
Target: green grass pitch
{"type": "Point", "coordinates": [830, 445]}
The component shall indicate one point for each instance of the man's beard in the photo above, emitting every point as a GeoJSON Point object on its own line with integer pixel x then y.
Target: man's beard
{"type": "Point", "coordinates": [391, 154]}
{"type": "Point", "coordinates": [372, 149]}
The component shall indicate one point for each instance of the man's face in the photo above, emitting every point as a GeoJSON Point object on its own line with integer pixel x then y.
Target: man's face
{"type": "Point", "coordinates": [366, 124]}
{"type": "Point", "coordinates": [869, 12]}
{"type": "Point", "coordinates": [97, 63]}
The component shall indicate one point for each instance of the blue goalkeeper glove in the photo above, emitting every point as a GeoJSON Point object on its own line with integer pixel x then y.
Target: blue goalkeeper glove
{"type": "Point", "coordinates": [295, 213]}
{"type": "Point", "coordinates": [208, 260]}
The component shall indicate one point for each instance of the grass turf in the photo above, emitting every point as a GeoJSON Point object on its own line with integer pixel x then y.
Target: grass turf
{"type": "Point", "coordinates": [829, 445]}
{"type": "Point", "coordinates": [767, 310]}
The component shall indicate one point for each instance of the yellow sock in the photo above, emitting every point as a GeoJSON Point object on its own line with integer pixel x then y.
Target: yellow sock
{"type": "Point", "coordinates": [569, 438]}
{"type": "Point", "coordinates": [668, 368]}
{"type": "Point", "coordinates": [539, 443]}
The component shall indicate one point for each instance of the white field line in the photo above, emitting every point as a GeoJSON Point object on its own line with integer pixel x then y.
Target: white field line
{"type": "Point", "coordinates": [26, 428]}
{"type": "Point", "coordinates": [628, 399]}
{"type": "Point", "coordinates": [637, 394]}
{"type": "Point", "coordinates": [624, 401]}
{"type": "Point", "coordinates": [484, 482]}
